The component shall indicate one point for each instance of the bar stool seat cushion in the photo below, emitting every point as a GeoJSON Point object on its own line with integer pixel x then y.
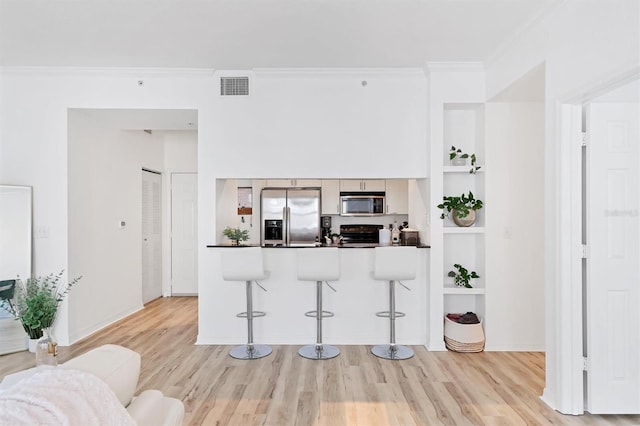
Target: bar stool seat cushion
{"type": "Point", "coordinates": [395, 263]}
{"type": "Point", "coordinates": [243, 264]}
{"type": "Point", "coordinates": [318, 264]}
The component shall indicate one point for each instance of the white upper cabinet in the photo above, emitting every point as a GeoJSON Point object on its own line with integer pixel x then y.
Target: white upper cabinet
{"type": "Point", "coordinates": [294, 183]}
{"type": "Point", "coordinates": [331, 196]}
{"type": "Point", "coordinates": [397, 196]}
{"type": "Point", "coordinates": [362, 185]}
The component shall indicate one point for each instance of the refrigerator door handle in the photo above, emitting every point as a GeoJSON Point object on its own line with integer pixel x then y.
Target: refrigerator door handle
{"type": "Point", "coordinates": [287, 220]}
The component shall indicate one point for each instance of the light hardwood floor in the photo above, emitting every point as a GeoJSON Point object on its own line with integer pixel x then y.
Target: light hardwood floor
{"type": "Point", "coordinates": [356, 388]}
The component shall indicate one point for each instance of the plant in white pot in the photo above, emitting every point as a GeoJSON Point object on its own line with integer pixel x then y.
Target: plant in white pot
{"type": "Point", "coordinates": [461, 276]}
{"type": "Point", "coordinates": [462, 208]}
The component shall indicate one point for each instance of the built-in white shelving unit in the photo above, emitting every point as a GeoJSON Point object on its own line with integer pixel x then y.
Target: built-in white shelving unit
{"type": "Point", "coordinates": [463, 127]}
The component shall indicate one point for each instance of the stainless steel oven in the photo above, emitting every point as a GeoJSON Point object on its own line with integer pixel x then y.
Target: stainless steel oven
{"type": "Point", "coordinates": [361, 203]}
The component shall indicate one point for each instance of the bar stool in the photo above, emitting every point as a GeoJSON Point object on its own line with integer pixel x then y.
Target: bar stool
{"type": "Point", "coordinates": [245, 264]}
{"type": "Point", "coordinates": [319, 264]}
{"type": "Point", "coordinates": [394, 264]}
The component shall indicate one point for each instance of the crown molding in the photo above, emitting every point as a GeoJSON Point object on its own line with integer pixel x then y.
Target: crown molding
{"type": "Point", "coordinates": [109, 71]}
{"type": "Point", "coordinates": [340, 71]}
{"type": "Point", "coordinates": [454, 67]}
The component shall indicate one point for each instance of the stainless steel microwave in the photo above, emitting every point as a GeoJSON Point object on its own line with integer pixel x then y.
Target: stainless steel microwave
{"type": "Point", "coordinates": [361, 203]}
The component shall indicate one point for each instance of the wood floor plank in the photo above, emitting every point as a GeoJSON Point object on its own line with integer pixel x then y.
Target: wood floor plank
{"type": "Point", "coordinates": [356, 388]}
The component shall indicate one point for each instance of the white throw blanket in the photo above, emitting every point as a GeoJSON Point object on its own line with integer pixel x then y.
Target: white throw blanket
{"type": "Point", "coordinates": [60, 396]}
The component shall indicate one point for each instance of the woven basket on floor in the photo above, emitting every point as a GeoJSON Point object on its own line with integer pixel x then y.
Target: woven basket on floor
{"type": "Point", "coordinates": [463, 337]}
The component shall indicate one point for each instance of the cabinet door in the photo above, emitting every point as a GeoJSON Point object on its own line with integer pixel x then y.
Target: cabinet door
{"type": "Point", "coordinates": [331, 196]}
{"type": "Point", "coordinates": [280, 183]}
{"type": "Point", "coordinates": [360, 185]}
{"type": "Point", "coordinates": [397, 197]}
{"type": "Point", "coordinates": [307, 183]}
{"type": "Point", "coordinates": [376, 185]}
{"type": "Point", "coordinates": [350, 185]}
{"type": "Point", "coordinates": [294, 183]}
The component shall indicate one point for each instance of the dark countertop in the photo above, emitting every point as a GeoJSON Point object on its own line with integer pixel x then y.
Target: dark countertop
{"type": "Point", "coordinates": [347, 246]}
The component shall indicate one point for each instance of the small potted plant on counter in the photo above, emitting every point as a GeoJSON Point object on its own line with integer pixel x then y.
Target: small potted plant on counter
{"type": "Point", "coordinates": [463, 208]}
{"type": "Point", "coordinates": [462, 276]}
{"type": "Point", "coordinates": [236, 235]}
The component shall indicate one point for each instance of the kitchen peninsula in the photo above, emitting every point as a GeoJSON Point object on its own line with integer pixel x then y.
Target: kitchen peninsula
{"type": "Point", "coordinates": [356, 300]}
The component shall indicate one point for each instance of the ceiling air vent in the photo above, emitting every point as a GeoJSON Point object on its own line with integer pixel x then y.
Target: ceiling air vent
{"type": "Point", "coordinates": [234, 86]}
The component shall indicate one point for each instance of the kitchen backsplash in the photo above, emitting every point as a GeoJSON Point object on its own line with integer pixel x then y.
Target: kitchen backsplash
{"type": "Point", "coordinates": [385, 220]}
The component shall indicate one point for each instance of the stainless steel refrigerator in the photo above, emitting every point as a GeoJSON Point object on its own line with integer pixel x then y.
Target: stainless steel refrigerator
{"type": "Point", "coordinates": [290, 216]}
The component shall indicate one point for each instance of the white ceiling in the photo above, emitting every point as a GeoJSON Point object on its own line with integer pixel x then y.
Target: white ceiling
{"type": "Point", "coordinates": [242, 34]}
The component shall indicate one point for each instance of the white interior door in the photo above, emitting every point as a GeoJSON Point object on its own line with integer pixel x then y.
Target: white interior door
{"type": "Point", "coordinates": [613, 264]}
{"type": "Point", "coordinates": [151, 236]}
{"type": "Point", "coordinates": [184, 232]}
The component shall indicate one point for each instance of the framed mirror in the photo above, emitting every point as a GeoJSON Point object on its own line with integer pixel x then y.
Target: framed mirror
{"type": "Point", "coordinates": [15, 232]}
{"type": "Point", "coordinates": [15, 256]}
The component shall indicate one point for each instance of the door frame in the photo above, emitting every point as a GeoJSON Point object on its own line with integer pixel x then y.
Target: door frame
{"type": "Point", "coordinates": [564, 263]}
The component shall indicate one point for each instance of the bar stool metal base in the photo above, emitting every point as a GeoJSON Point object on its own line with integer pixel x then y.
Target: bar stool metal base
{"type": "Point", "coordinates": [392, 352]}
{"type": "Point", "coordinates": [319, 351]}
{"type": "Point", "coordinates": [250, 352]}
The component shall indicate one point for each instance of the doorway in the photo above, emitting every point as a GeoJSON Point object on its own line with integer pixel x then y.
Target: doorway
{"type": "Point", "coordinates": [184, 238]}
{"type": "Point", "coordinates": [151, 235]}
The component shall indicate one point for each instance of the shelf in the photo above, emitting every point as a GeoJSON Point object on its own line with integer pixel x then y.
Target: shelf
{"type": "Point", "coordinates": [462, 169]}
{"type": "Point", "coordinates": [463, 290]}
{"type": "Point", "coordinates": [463, 230]}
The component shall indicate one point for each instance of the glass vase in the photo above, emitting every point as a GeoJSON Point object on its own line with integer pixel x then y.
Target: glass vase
{"type": "Point", "coordinates": [47, 349]}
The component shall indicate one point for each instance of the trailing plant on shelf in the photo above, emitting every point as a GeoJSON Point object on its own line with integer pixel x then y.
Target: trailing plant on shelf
{"type": "Point", "coordinates": [35, 302]}
{"type": "Point", "coordinates": [461, 206]}
{"type": "Point", "coordinates": [236, 234]}
{"type": "Point", "coordinates": [457, 153]}
{"type": "Point", "coordinates": [474, 168]}
{"type": "Point", "coordinates": [458, 158]}
{"type": "Point", "coordinates": [462, 276]}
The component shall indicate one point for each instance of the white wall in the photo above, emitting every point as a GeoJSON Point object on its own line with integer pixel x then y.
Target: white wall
{"type": "Point", "coordinates": [323, 124]}
{"type": "Point", "coordinates": [360, 127]}
{"type": "Point", "coordinates": [104, 187]}
{"type": "Point", "coordinates": [34, 134]}
{"type": "Point", "coordinates": [583, 44]}
{"type": "Point", "coordinates": [514, 226]}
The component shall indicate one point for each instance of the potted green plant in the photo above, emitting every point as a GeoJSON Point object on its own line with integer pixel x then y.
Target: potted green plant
{"type": "Point", "coordinates": [459, 158]}
{"type": "Point", "coordinates": [462, 276]}
{"type": "Point", "coordinates": [236, 235]}
{"type": "Point", "coordinates": [463, 208]}
{"type": "Point", "coordinates": [35, 302]}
